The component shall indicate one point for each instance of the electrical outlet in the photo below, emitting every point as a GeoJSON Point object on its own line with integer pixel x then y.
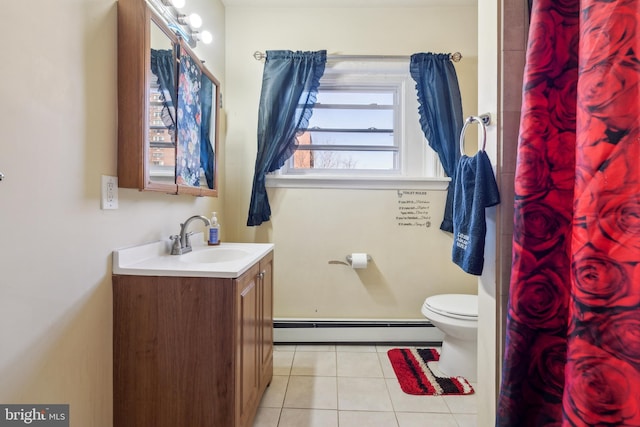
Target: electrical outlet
{"type": "Point", "coordinates": [109, 192]}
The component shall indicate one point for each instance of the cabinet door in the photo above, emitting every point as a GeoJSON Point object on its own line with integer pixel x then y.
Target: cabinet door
{"type": "Point", "coordinates": [266, 319]}
{"type": "Point", "coordinates": [247, 373]}
{"type": "Point", "coordinates": [173, 347]}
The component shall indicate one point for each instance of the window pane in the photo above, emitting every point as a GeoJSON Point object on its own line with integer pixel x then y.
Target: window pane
{"type": "Point", "coordinates": [344, 118]}
{"type": "Point", "coordinates": [351, 129]}
{"type": "Point", "coordinates": [344, 160]}
{"type": "Point", "coordinates": [354, 96]}
{"type": "Point", "coordinates": [385, 139]}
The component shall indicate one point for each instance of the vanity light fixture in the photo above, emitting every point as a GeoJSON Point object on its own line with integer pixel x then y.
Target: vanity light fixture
{"type": "Point", "coordinates": [194, 21]}
{"type": "Point", "coordinates": [183, 25]}
{"type": "Point", "coordinates": [206, 37]}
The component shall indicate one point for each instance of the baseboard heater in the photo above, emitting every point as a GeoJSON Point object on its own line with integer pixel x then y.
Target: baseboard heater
{"type": "Point", "coordinates": [308, 331]}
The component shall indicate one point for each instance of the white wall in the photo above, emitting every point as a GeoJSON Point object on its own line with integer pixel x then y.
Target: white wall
{"type": "Point", "coordinates": [313, 226]}
{"type": "Point", "coordinates": [58, 117]}
{"type": "Point", "coordinates": [488, 101]}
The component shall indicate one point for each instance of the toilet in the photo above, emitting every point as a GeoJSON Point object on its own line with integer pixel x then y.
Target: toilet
{"type": "Point", "coordinates": [456, 315]}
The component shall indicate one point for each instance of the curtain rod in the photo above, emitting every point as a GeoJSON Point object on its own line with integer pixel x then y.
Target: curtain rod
{"type": "Point", "coordinates": [455, 57]}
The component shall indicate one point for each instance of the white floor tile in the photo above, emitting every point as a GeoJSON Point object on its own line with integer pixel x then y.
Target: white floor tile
{"type": "Point", "coordinates": [284, 347]}
{"type": "Point", "coordinates": [385, 348]}
{"type": "Point", "coordinates": [318, 363]}
{"type": "Point", "coordinates": [385, 364]}
{"type": "Point", "coordinates": [311, 393]}
{"type": "Point", "coordinates": [363, 365]}
{"type": "Point", "coordinates": [414, 419]}
{"type": "Point", "coordinates": [356, 348]}
{"type": "Point", "coordinates": [308, 418]}
{"type": "Point", "coordinates": [282, 361]}
{"type": "Point", "coordinates": [267, 417]}
{"type": "Point", "coordinates": [351, 386]}
{"type": "Point", "coordinates": [466, 420]}
{"type": "Point", "coordinates": [274, 394]}
{"type": "Point", "coordinates": [462, 404]}
{"type": "Point", "coordinates": [363, 394]}
{"type": "Point", "coordinates": [316, 347]}
{"type": "Point", "coordinates": [403, 402]}
{"type": "Point", "coordinates": [367, 419]}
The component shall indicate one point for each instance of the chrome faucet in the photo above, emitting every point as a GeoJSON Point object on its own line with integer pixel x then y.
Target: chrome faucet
{"type": "Point", "coordinates": [182, 242]}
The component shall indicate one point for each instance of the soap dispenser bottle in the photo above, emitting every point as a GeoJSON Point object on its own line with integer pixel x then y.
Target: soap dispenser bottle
{"type": "Point", "coordinates": [214, 230]}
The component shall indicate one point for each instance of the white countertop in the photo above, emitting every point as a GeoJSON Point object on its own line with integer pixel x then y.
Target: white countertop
{"type": "Point", "coordinates": [227, 260]}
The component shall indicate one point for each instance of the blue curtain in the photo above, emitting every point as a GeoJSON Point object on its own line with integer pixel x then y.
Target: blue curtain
{"type": "Point", "coordinates": [163, 66]}
{"type": "Point", "coordinates": [206, 147]}
{"type": "Point", "coordinates": [440, 109]}
{"type": "Point", "coordinates": [289, 87]}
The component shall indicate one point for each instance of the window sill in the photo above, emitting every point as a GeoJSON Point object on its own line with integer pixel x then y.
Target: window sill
{"type": "Point", "coordinates": [360, 182]}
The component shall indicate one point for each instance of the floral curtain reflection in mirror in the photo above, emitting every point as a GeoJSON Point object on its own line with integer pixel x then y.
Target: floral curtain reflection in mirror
{"type": "Point", "coordinates": [208, 138]}
{"type": "Point", "coordinates": [189, 123]}
{"type": "Point", "coordinates": [195, 151]}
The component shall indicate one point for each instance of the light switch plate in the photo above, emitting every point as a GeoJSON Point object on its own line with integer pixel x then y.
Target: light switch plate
{"type": "Point", "coordinates": [109, 192]}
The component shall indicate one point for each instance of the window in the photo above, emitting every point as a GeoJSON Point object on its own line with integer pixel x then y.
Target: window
{"type": "Point", "coordinates": [353, 128]}
{"type": "Point", "coordinates": [364, 128]}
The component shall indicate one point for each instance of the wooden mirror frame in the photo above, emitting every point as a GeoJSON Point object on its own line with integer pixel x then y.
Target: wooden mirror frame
{"type": "Point", "coordinates": [134, 76]}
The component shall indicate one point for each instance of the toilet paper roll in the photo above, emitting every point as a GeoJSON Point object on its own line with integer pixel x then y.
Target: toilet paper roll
{"type": "Point", "coordinates": [359, 260]}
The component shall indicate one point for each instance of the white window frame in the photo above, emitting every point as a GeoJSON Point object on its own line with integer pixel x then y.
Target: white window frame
{"type": "Point", "coordinates": [355, 85]}
{"type": "Point", "coordinates": [419, 167]}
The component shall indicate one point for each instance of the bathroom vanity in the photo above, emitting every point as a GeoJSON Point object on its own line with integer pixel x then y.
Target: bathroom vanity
{"type": "Point", "coordinates": [193, 336]}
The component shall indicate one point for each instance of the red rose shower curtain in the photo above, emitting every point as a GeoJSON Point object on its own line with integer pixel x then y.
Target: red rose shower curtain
{"type": "Point", "coordinates": [572, 354]}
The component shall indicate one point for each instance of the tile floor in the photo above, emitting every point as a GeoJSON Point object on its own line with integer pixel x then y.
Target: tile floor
{"type": "Point", "coordinates": [350, 386]}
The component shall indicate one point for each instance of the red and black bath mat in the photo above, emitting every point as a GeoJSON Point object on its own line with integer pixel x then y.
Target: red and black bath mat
{"type": "Point", "coordinates": [418, 374]}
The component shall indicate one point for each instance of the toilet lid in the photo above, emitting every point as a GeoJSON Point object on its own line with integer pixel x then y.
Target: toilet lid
{"type": "Point", "coordinates": [456, 305]}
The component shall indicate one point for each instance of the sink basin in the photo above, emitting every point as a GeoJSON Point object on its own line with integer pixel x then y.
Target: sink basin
{"type": "Point", "coordinates": [214, 255]}
{"type": "Point", "coordinates": [228, 260]}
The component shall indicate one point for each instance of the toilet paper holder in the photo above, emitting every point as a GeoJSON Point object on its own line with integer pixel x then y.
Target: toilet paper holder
{"type": "Point", "coordinates": [349, 260]}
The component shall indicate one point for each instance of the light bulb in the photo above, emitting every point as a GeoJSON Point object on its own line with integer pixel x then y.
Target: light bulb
{"type": "Point", "coordinates": [178, 4]}
{"type": "Point", "coordinates": [206, 37]}
{"type": "Point", "coordinates": [195, 21]}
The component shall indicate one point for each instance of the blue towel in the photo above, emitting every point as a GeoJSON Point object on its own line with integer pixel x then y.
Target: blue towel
{"type": "Point", "coordinates": [475, 189]}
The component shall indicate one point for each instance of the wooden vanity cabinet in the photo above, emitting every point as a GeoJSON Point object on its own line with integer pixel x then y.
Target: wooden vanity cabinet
{"type": "Point", "coordinates": [192, 351]}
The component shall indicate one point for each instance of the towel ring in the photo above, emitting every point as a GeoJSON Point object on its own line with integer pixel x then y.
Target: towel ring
{"type": "Point", "coordinates": [484, 121]}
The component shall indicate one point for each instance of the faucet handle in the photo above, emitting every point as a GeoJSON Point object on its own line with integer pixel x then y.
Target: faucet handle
{"type": "Point", "coordinates": [175, 247]}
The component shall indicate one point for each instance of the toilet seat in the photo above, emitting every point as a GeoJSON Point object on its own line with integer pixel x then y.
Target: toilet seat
{"type": "Point", "coordinates": [457, 306]}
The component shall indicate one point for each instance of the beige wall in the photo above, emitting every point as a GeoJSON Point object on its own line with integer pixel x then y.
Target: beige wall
{"type": "Point", "coordinates": [313, 226]}
{"type": "Point", "coordinates": [58, 116]}
{"type": "Point", "coordinates": [408, 263]}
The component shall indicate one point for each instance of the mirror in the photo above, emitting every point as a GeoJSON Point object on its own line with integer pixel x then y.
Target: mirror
{"type": "Point", "coordinates": [196, 124]}
{"type": "Point", "coordinates": [211, 88]}
{"type": "Point", "coordinates": [167, 108]}
{"type": "Point", "coordinates": [162, 111]}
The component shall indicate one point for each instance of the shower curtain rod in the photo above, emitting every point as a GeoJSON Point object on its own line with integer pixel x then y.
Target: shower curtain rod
{"type": "Point", "coordinates": [455, 57]}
